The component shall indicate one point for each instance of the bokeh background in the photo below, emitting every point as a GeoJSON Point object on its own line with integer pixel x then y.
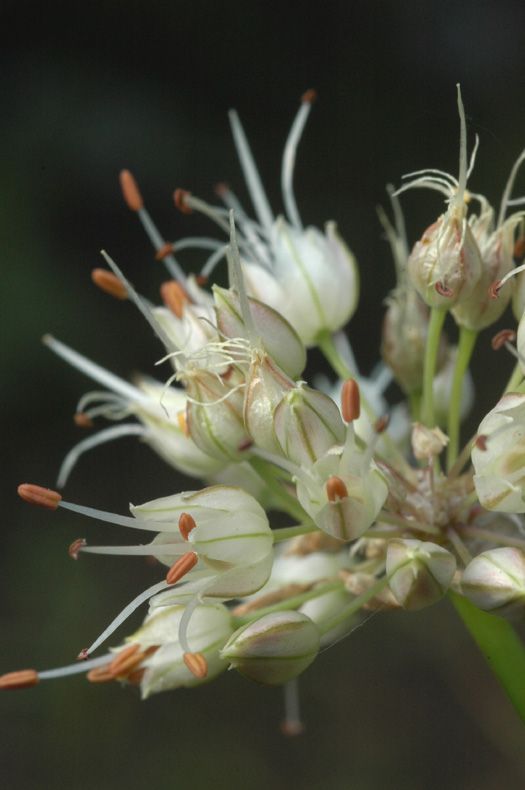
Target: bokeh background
{"type": "Point", "coordinates": [88, 88]}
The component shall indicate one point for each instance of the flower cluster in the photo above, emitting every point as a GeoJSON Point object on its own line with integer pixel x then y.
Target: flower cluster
{"type": "Point", "coordinates": [378, 518]}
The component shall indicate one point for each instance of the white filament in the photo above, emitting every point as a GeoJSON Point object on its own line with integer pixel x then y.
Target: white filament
{"type": "Point", "coordinates": [107, 435]}
{"type": "Point", "coordinates": [288, 164]}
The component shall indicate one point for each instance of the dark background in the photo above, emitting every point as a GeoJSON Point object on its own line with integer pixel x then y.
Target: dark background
{"type": "Point", "coordinates": [406, 702]}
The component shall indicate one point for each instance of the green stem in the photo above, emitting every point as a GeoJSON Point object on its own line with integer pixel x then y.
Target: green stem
{"type": "Point", "coordinates": [286, 501]}
{"type": "Point", "coordinates": [289, 603]}
{"type": "Point", "coordinates": [437, 319]}
{"type": "Point", "coordinates": [467, 341]}
{"type": "Point", "coordinates": [325, 341]}
{"type": "Point", "coordinates": [415, 405]}
{"type": "Point", "coordinates": [500, 645]}
{"type": "Point", "coordinates": [286, 533]}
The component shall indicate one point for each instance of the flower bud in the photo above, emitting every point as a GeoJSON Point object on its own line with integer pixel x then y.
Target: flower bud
{"type": "Point", "coordinates": [495, 580]}
{"type": "Point", "coordinates": [326, 607]}
{"type": "Point", "coordinates": [318, 277]}
{"type": "Point", "coordinates": [419, 572]}
{"type": "Point", "coordinates": [209, 629]}
{"type": "Point", "coordinates": [445, 265]}
{"type": "Point", "coordinates": [427, 443]}
{"type": "Point", "coordinates": [278, 338]}
{"type": "Point", "coordinates": [307, 424]}
{"type": "Point", "coordinates": [215, 414]}
{"type": "Point", "coordinates": [343, 491]}
{"type": "Point", "coordinates": [499, 458]}
{"type": "Point", "coordinates": [405, 329]}
{"type": "Point", "coordinates": [265, 387]}
{"type": "Point", "coordinates": [274, 649]}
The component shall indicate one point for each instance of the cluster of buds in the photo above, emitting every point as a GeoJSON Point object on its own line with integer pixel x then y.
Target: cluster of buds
{"type": "Point", "coordinates": [378, 519]}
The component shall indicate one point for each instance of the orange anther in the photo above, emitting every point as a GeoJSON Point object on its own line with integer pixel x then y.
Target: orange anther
{"type": "Point", "coordinates": [122, 656]}
{"type": "Point", "coordinates": [180, 197]}
{"type": "Point", "coordinates": [23, 679]}
{"type": "Point", "coordinates": [186, 524]}
{"type": "Point", "coordinates": [37, 495]}
{"type": "Point", "coordinates": [309, 96]}
{"type": "Point", "coordinates": [135, 678]}
{"type": "Point", "coordinates": [82, 420]}
{"type": "Point", "coordinates": [130, 191]}
{"type": "Point", "coordinates": [126, 661]}
{"type": "Point", "coordinates": [76, 547]}
{"type": "Point", "coordinates": [201, 279]}
{"type": "Point", "coordinates": [443, 290]}
{"type": "Point", "coordinates": [335, 489]}
{"type": "Point", "coordinates": [109, 283]}
{"type": "Point", "coordinates": [183, 423]}
{"type": "Point", "coordinates": [350, 401]}
{"type": "Point", "coordinates": [100, 675]}
{"type": "Point", "coordinates": [174, 296]}
{"type": "Point", "coordinates": [165, 250]}
{"type": "Point", "coordinates": [502, 337]}
{"type": "Point", "coordinates": [181, 567]}
{"type": "Point", "coordinates": [292, 727]}
{"type": "Point", "coordinates": [197, 664]}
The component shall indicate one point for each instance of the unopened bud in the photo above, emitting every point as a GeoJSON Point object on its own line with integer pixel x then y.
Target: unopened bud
{"type": "Point", "coordinates": [275, 648]}
{"type": "Point", "coordinates": [427, 443]}
{"type": "Point", "coordinates": [419, 572]}
{"type": "Point", "coordinates": [495, 580]}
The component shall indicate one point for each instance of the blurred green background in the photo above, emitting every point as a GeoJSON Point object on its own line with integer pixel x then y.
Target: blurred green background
{"type": "Point", "coordinates": [405, 702]}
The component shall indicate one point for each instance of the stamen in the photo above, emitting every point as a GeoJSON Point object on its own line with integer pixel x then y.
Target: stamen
{"type": "Point", "coordinates": [100, 675]}
{"type": "Point", "coordinates": [76, 547]}
{"type": "Point", "coordinates": [181, 567]}
{"type": "Point", "coordinates": [83, 420]}
{"type": "Point", "coordinates": [350, 400]}
{"type": "Point", "coordinates": [174, 297]}
{"type": "Point", "coordinates": [186, 524]}
{"type": "Point", "coordinates": [124, 614]}
{"type": "Point", "coordinates": [109, 283]}
{"type": "Point", "coordinates": [197, 664]}
{"type": "Point", "coordinates": [180, 197]}
{"type": "Point", "coordinates": [292, 724]}
{"type": "Point", "coordinates": [335, 489]}
{"type": "Point", "coordinates": [23, 679]}
{"type": "Point", "coordinates": [251, 174]}
{"type": "Point", "coordinates": [289, 154]}
{"type": "Point", "coordinates": [37, 495]}
{"type": "Point", "coordinates": [496, 286]}
{"type": "Point", "coordinates": [106, 435]}
{"type": "Point", "coordinates": [126, 660]}
{"type": "Point", "coordinates": [183, 423]}
{"type": "Point", "coordinates": [110, 518]}
{"type": "Point", "coordinates": [167, 249]}
{"type": "Point", "coordinates": [130, 191]}
{"type": "Point", "coordinates": [503, 337]}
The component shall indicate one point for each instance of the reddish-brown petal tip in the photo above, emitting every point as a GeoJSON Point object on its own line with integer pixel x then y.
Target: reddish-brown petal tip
{"type": "Point", "coordinates": [180, 197]}
{"type": "Point", "coordinates": [201, 279]}
{"type": "Point", "coordinates": [197, 664]}
{"type": "Point", "coordinates": [350, 400]}
{"type": "Point", "coordinates": [174, 297]}
{"type": "Point", "coordinates": [181, 567]}
{"type": "Point", "coordinates": [82, 420]}
{"type": "Point", "coordinates": [502, 337]}
{"type": "Point", "coordinates": [186, 524]}
{"type": "Point", "coordinates": [335, 489]}
{"type": "Point", "coordinates": [130, 191]}
{"type": "Point", "coordinates": [309, 96]}
{"type": "Point", "coordinates": [23, 679]}
{"type": "Point", "coordinates": [109, 283]}
{"type": "Point", "coordinates": [76, 547]}
{"type": "Point", "coordinates": [37, 495]}
{"type": "Point", "coordinates": [381, 424]}
{"type": "Point", "coordinates": [481, 442]}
